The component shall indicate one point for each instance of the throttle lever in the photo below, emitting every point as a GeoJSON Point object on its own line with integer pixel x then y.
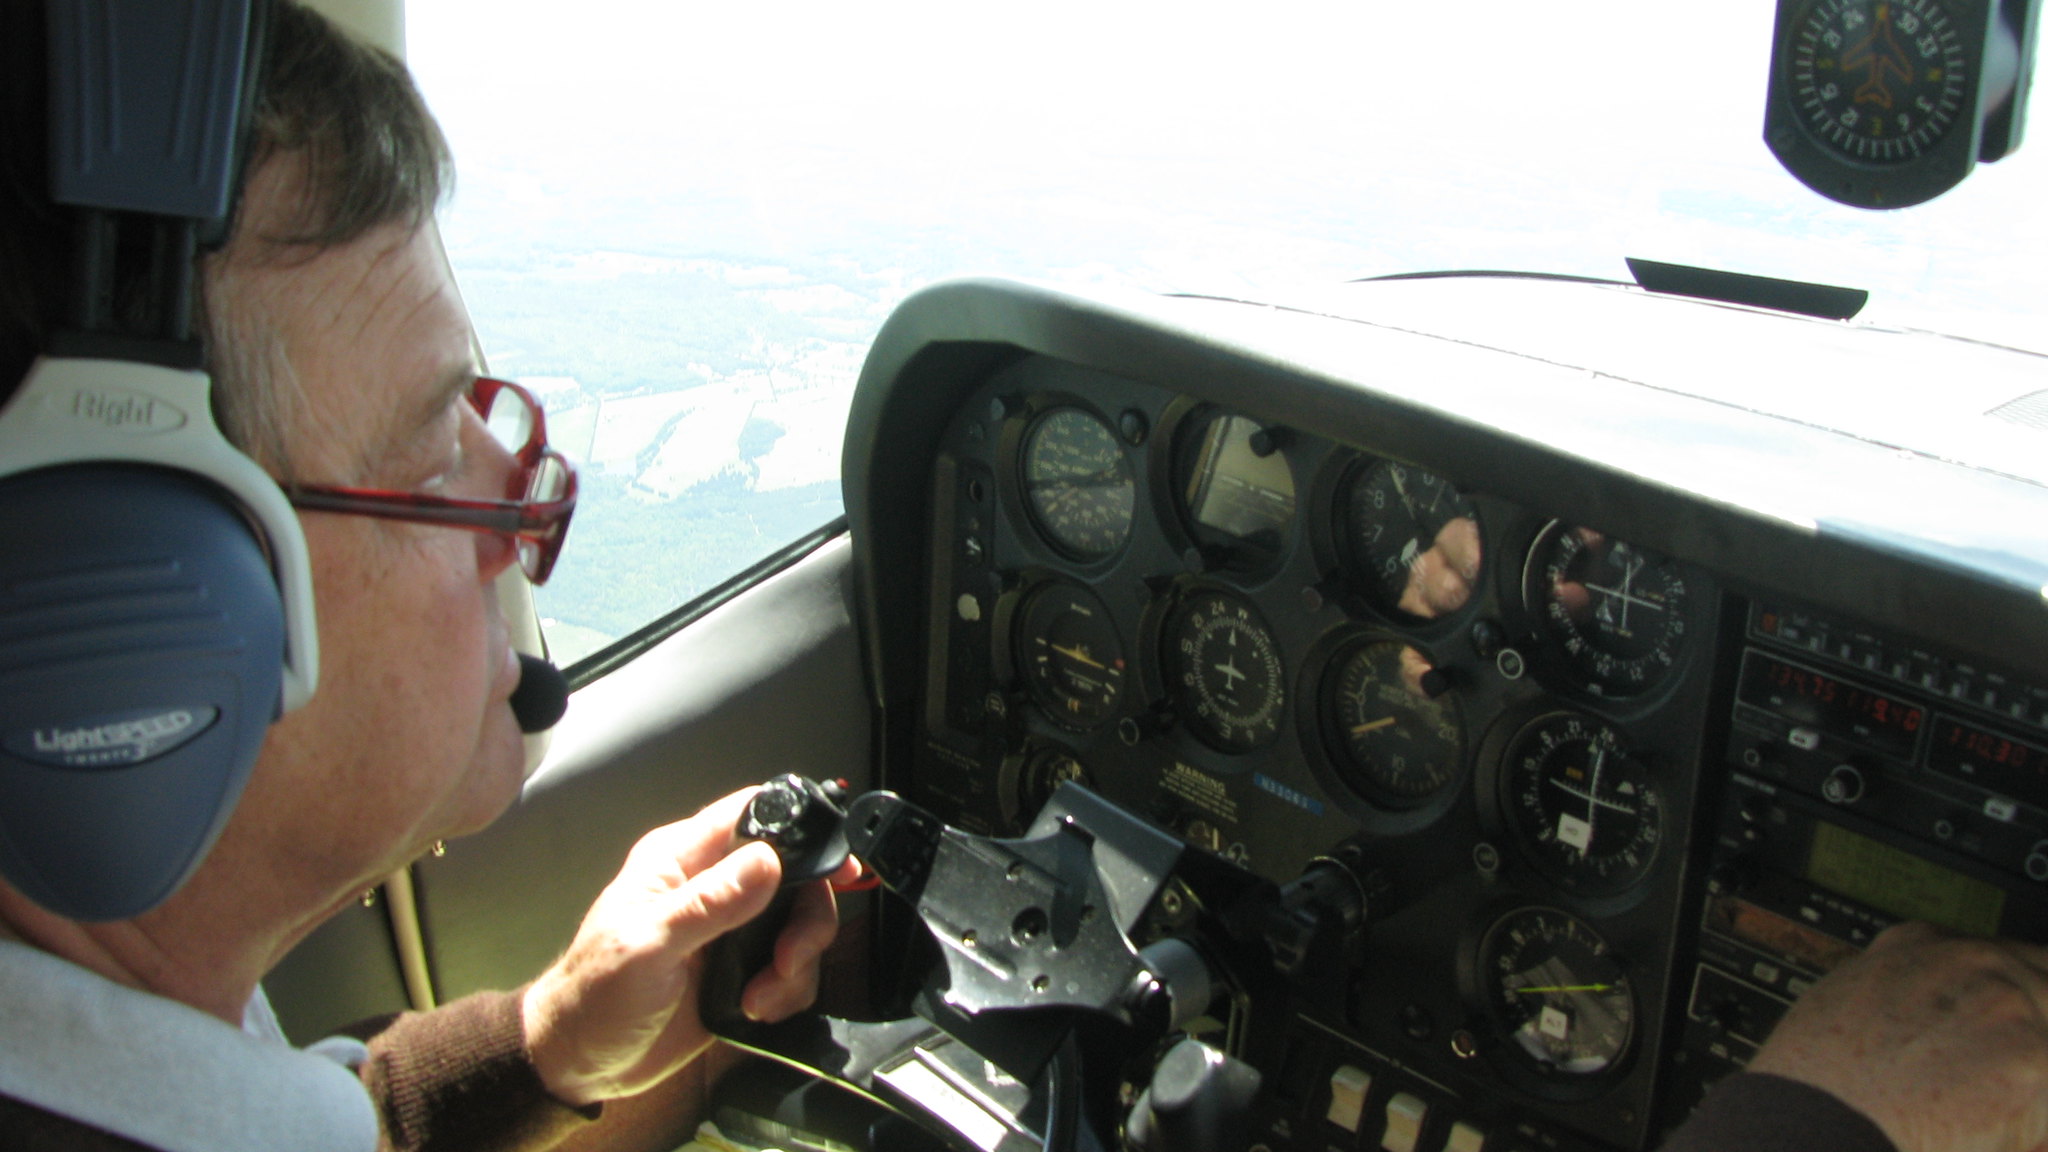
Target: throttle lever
{"type": "Point", "coordinates": [805, 824]}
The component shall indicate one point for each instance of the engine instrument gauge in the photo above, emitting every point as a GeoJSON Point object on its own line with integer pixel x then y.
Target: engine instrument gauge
{"type": "Point", "coordinates": [1224, 671]}
{"type": "Point", "coordinates": [1077, 483]}
{"type": "Point", "coordinates": [1393, 730]}
{"type": "Point", "coordinates": [1412, 538]}
{"type": "Point", "coordinates": [1584, 811]}
{"type": "Point", "coordinates": [1556, 992]}
{"type": "Point", "coordinates": [1615, 615]}
{"type": "Point", "coordinates": [1071, 658]}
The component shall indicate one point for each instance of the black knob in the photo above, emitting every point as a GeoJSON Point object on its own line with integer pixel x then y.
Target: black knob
{"type": "Point", "coordinates": [1488, 638]}
{"type": "Point", "coordinates": [1200, 1100]}
{"type": "Point", "coordinates": [2037, 862]}
{"type": "Point", "coordinates": [1267, 441]}
{"type": "Point", "coordinates": [1133, 427]}
{"type": "Point", "coordinates": [1135, 730]}
{"type": "Point", "coordinates": [1844, 785]}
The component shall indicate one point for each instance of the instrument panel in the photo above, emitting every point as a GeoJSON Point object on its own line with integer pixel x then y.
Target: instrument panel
{"type": "Point", "coordinates": [1622, 781]}
{"type": "Point", "coordinates": [1273, 645]}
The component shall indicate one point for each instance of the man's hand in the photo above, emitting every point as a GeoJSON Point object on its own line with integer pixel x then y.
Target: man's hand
{"type": "Point", "coordinates": [618, 1012]}
{"type": "Point", "coordinates": [1941, 1040]}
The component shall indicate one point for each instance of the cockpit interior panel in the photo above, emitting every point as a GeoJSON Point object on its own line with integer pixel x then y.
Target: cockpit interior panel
{"type": "Point", "coordinates": [1639, 666]}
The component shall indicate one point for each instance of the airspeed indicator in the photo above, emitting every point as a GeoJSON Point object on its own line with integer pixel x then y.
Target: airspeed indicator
{"type": "Point", "coordinates": [1077, 483]}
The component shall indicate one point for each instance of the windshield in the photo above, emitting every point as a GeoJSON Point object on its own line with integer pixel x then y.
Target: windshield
{"type": "Point", "coordinates": [701, 214]}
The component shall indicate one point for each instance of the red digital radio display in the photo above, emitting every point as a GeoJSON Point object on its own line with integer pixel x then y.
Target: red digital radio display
{"type": "Point", "coordinates": [1838, 707]}
{"type": "Point", "coordinates": [1989, 759]}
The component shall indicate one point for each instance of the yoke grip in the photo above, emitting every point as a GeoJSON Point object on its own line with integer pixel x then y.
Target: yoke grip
{"type": "Point", "coordinates": [802, 820]}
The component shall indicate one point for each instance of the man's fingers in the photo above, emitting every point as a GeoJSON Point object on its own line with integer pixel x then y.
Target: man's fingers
{"type": "Point", "coordinates": [849, 872]}
{"type": "Point", "coordinates": [813, 922]}
{"type": "Point", "coordinates": [774, 995]}
{"type": "Point", "coordinates": [790, 983]}
{"type": "Point", "coordinates": [1905, 934]}
{"type": "Point", "coordinates": [697, 842]}
{"type": "Point", "coordinates": [723, 896]}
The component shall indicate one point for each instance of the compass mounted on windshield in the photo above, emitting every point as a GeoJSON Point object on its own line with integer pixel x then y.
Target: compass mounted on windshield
{"type": "Point", "coordinates": [1889, 103]}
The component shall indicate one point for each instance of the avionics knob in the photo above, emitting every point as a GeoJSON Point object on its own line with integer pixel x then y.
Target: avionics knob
{"type": "Point", "coordinates": [1844, 785]}
{"type": "Point", "coordinates": [2037, 861]}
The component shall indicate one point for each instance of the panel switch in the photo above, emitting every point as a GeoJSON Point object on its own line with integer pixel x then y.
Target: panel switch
{"type": "Point", "coordinates": [1405, 1114]}
{"type": "Point", "coordinates": [1348, 1086]}
{"type": "Point", "coordinates": [1464, 1138]}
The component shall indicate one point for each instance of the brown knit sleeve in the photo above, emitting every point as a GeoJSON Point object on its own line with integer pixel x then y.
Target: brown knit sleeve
{"type": "Point", "coordinates": [1759, 1112]}
{"type": "Point", "coordinates": [457, 1079]}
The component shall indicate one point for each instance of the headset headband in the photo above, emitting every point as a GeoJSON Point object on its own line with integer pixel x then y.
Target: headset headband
{"type": "Point", "coordinates": [156, 607]}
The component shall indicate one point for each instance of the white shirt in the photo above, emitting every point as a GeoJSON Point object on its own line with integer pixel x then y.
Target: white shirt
{"type": "Point", "coordinates": [168, 1075]}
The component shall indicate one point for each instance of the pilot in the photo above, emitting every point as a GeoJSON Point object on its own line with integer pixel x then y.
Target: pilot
{"type": "Point", "coordinates": [342, 355]}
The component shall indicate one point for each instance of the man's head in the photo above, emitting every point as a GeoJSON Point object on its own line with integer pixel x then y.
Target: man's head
{"type": "Point", "coordinates": [341, 356]}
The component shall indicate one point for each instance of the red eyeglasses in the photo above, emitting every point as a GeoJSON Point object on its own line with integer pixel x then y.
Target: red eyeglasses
{"type": "Point", "coordinates": [540, 496]}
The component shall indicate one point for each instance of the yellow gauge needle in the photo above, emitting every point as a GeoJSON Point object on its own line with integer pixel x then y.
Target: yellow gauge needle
{"type": "Point", "coordinates": [1564, 988]}
{"type": "Point", "coordinates": [1076, 653]}
{"type": "Point", "coordinates": [1373, 725]}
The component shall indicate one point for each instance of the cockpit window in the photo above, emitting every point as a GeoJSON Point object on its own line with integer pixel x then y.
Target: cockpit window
{"type": "Point", "coordinates": [681, 225]}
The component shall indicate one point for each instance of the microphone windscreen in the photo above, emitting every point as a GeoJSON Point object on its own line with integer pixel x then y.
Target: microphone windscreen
{"type": "Point", "coordinates": [542, 695]}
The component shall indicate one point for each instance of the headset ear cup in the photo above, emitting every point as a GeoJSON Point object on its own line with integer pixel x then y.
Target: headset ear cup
{"type": "Point", "coordinates": [142, 646]}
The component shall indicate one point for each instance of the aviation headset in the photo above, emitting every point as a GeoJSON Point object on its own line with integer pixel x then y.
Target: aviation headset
{"type": "Point", "coordinates": [156, 607]}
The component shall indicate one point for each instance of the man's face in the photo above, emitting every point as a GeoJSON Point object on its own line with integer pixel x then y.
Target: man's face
{"type": "Point", "coordinates": [409, 738]}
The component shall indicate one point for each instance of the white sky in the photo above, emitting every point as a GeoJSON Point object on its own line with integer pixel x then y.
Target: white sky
{"type": "Point", "coordinates": [1192, 145]}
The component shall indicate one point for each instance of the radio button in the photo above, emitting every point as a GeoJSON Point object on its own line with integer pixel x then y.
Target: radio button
{"type": "Point", "coordinates": [1803, 738]}
{"type": "Point", "coordinates": [1727, 1016]}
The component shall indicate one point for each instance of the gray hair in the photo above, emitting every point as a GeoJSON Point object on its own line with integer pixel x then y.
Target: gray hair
{"type": "Point", "coordinates": [365, 154]}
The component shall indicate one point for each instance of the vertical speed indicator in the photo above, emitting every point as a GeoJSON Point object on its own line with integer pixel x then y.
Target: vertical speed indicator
{"type": "Point", "coordinates": [1395, 732]}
